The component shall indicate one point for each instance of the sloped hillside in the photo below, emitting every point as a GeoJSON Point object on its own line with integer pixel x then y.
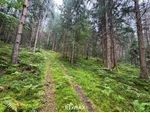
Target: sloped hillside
{"type": "Point", "coordinates": [84, 86]}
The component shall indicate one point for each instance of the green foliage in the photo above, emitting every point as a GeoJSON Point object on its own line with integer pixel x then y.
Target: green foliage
{"type": "Point", "coordinates": [65, 94]}
{"type": "Point", "coordinates": [4, 54]}
{"type": "Point", "coordinates": [9, 26]}
{"type": "Point", "coordinates": [10, 105]}
{"type": "Point", "coordinates": [140, 106]}
{"type": "Point", "coordinates": [17, 4]}
{"type": "Point", "coordinates": [7, 20]}
{"type": "Point", "coordinates": [114, 90]}
{"type": "Point", "coordinates": [21, 82]}
{"type": "Point", "coordinates": [21, 85]}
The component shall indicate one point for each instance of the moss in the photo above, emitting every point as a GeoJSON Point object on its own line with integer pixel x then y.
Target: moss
{"type": "Point", "coordinates": [65, 94]}
{"type": "Point", "coordinates": [22, 82]}
{"type": "Point", "coordinates": [116, 90]}
{"type": "Point", "coordinates": [110, 90]}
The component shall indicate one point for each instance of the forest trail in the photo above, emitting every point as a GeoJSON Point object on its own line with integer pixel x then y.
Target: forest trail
{"type": "Point", "coordinates": [49, 98]}
{"type": "Point", "coordinates": [83, 98]}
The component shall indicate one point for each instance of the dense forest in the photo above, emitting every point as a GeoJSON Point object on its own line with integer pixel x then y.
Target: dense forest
{"type": "Point", "coordinates": [78, 55]}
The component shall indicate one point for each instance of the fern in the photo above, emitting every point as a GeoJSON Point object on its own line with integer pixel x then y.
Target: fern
{"type": "Point", "coordinates": [10, 104]}
{"type": "Point", "coordinates": [139, 106]}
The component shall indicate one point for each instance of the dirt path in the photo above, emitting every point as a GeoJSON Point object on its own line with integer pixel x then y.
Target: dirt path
{"type": "Point", "coordinates": [49, 98]}
{"type": "Point", "coordinates": [88, 104]}
{"type": "Point", "coordinates": [83, 98]}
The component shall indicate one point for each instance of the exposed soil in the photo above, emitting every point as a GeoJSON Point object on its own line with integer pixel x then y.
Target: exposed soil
{"type": "Point", "coordinates": [49, 98]}
{"type": "Point", "coordinates": [88, 104]}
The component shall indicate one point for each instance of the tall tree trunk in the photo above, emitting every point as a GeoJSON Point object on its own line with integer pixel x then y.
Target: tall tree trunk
{"type": "Point", "coordinates": [146, 29]}
{"type": "Point", "coordinates": [48, 40]}
{"type": "Point", "coordinates": [87, 51]}
{"type": "Point", "coordinates": [73, 49]}
{"type": "Point", "coordinates": [36, 37]}
{"type": "Point", "coordinates": [94, 46]}
{"type": "Point", "coordinates": [114, 61]}
{"type": "Point", "coordinates": [143, 66]}
{"type": "Point", "coordinates": [32, 34]}
{"type": "Point", "coordinates": [108, 42]}
{"type": "Point", "coordinates": [15, 51]}
{"type": "Point", "coordinates": [64, 43]}
{"type": "Point", "coordinates": [54, 41]}
{"type": "Point", "coordinates": [112, 35]}
{"type": "Point", "coordinates": [102, 28]}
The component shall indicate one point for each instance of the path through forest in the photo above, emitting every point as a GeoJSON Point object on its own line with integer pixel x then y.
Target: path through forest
{"type": "Point", "coordinates": [83, 98]}
{"type": "Point", "coordinates": [49, 98]}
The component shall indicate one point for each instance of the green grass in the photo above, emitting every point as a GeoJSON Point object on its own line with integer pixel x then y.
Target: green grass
{"type": "Point", "coordinates": [65, 94]}
{"type": "Point", "coordinates": [21, 86]}
{"type": "Point", "coordinates": [117, 90]}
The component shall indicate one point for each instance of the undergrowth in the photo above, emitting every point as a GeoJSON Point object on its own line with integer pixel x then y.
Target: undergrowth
{"type": "Point", "coordinates": [117, 90]}
{"type": "Point", "coordinates": [66, 97]}
{"type": "Point", "coordinates": [21, 85]}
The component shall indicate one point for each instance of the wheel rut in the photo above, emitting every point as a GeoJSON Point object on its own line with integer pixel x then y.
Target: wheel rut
{"type": "Point", "coordinates": [49, 97]}
{"type": "Point", "coordinates": [83, 98]}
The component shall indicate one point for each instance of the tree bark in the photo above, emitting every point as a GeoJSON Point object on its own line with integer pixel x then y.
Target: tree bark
{"type": "Point", "coordinates": [32, 34]}
{"type": "Point", "coordinates": [54, 41]}
{"type": "Point", "coordinates": [143, 66]}
{"type": "Point", "coordinates": [146, 29]}
{"type": "Point", "coordinates": [15, 51]}
{"type": "Point", "coordinates": [102, 28]}
{"type": "Point", "coordinates": [73, 49]}
{"type": "Point", "coordinates": [87, 51]}
{"type": "Point", "coordinates": [108, 42]}
{"type": "Point", "coordinates": [48, 40]}
{"type": "Point", "coordinates": [112, 36]}
{"type": "Point", "coordinates": [36, 37]}
{"type": "Point", "coordinates": [64, 43]}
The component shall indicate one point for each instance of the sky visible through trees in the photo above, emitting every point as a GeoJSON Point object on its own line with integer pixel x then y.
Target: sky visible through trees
{"type": "Point", "coordinates": [59, 2]}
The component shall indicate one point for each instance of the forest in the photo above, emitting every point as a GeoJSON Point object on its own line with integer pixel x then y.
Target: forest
{"type": "Point", "coordinates": [74, 55]}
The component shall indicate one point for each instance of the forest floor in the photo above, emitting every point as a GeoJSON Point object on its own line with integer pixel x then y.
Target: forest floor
{"type": "Point", "coordinates": [49, 96]}
{"type": "Point", "coordinates": [83, 98]}
{"type": "Point", "coordinates": [44, 81]}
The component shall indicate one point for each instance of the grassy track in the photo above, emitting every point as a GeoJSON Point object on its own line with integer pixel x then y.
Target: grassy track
{"type": "Point", "coordinates": [22, 85]}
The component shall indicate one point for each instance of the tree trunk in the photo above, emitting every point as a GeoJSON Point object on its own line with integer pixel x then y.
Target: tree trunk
{"type": "Point", "coordinates": [114, 61]}
{"type": "Point", "coordinates": [48, 40]}
{"type": "Point", "coordinates": [73, 49]}
{"type": "Point", "coordinates": [112, 36]}
{"type": "Point", "coordinates": [15, 51]}
{"type": "Point", "coordinates": [108, 43]}
{"type": "Point", "coordinates": [36, 37]}
{"type": "Point", "coordinates": [87, 51]}
{"type": "Point", "coordinates": [32, 34]}
{"type": "Point", "coordinates": [102, 28]}
{"type": "Point", "coordinates": [64, 43]}
{"type": "Point", "coordinates": [54, 41]}
{"type": "Point", "coordinates": [146, 29]}
{"type": "Point", "coordinates": [143, 66]}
